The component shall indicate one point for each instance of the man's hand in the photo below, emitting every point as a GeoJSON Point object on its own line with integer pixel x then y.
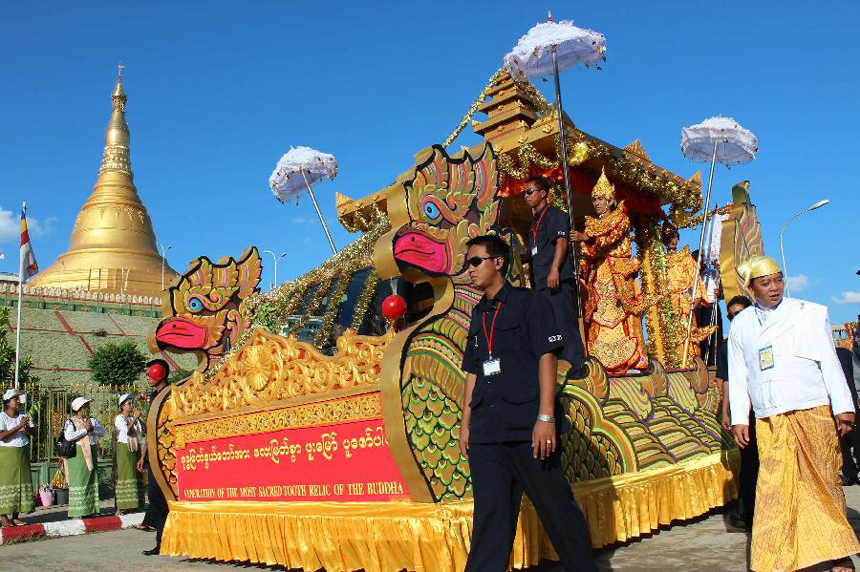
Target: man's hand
{"type": "Point", "coordinates": [726, 416]}
{"type": "Point", "coordinates": [742, 435]}
{"type": "Point", "coordinates": [844, 423]}
{"type": "Point", "coordinates": [136, 415]}
{"type": "Point", "coordinates": [464, 441]}
{"type": "Point", "coordinates": [140, 465]}
{"type": "Point", "coordinates": [552, 279]}
{"type": "Point", "coordinates": [88, 424]}
{"type": "Point", "coordinates": [577, 236]}
{"type": "Point", "coordinates": [543, 439]}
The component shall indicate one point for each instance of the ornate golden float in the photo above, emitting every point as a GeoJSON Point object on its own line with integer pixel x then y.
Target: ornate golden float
{"type": "Point", "coordinates": [316, 437]}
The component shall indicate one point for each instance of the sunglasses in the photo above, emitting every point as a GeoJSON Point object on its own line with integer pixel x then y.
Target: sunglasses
{"type": "Point", "coordinates": [476, 261]}
{"type": "Point", "coordinates": [530, 192]}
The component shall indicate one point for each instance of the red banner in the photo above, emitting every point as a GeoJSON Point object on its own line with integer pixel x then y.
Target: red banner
{"type": "Point", "coordinates": [344, 462]}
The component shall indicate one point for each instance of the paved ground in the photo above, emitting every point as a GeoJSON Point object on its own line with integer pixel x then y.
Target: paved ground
{"type": "Point", "coordinates": [697, 546]}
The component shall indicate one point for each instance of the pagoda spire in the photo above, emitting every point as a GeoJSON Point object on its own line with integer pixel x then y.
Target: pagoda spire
{"type": "Point", "coordinates": [117, 153]}
{"type": "Point", "coordinates": [113, 247]}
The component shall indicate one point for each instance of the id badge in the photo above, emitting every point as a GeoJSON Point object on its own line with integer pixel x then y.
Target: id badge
{"type": "Point", "coordinates": [534, 250]}
{"type": "Point", "coordinates": [492, 366]}
{"type": "Point", "coordinates": [765, 358]}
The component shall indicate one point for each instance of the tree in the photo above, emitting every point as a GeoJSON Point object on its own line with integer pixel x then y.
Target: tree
{"type": "Point", "coordinates": [7, 356]}
{"type": "Point", "coordinates": [117, 363]}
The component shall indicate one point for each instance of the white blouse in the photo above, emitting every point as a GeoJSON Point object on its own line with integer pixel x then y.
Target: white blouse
{"type": "Point", "coordinates": [71, 433]}
{"type": "Point", "coordinates": [19, 439]}
{"type": "Point", "coordinates": [121, 425]}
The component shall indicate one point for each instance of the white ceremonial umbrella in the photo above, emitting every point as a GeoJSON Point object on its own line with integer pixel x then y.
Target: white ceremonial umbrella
{"type": "Point", "coordinates": [546, 49]}
{"type": "Point", "coordinates": [296, 171]}
{"type": "Point", "coordinates": [718, 139]}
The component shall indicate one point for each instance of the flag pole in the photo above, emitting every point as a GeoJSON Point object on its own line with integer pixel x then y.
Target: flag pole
{"type": "Point", "coordinates": [18, 321]}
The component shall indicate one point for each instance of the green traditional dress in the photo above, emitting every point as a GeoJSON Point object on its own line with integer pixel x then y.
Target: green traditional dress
{"type": "Point", "coordinates": [16, 488]}
{"type": "Point", "coordinates": [83, 481]}
{"type": "Point", "coordinates": [129, 489]}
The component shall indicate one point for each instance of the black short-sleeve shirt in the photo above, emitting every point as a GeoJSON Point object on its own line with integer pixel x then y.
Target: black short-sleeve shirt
{"type": "Point", "coordinates": [548, 226]}
{"type": "Point", "coordinates": [505, 405]}
{"type": "Point", "coordinates": [723, 361]}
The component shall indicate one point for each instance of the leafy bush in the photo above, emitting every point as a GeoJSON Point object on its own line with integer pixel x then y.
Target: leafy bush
{"type": "Point", "coordinates": [100, 333]}
{"type": "Point", "coordinates": [117, 363]}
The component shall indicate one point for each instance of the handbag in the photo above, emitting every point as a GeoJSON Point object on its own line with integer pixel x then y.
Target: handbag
{"type": "Point", "coordinates": [65, 448]}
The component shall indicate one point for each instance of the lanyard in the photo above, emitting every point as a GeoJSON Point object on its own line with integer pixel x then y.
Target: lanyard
{"type": "Point", "coordinates": [489, 337]}
{"type": "Point", "coordinates": [536, 226]}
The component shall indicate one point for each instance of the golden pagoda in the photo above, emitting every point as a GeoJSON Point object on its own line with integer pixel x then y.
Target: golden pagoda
{"type": "Point", "coordinates": [113, 247]}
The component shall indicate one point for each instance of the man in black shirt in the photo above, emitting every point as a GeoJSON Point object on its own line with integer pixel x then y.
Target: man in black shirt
{"type": "Point", "coordinates": [551, 271]}
{"type": "Point", "coordinates": [743, 515]}
{"type": "Point", "coordinates": [508, 429]}
{"type": "Point", "coordinates": [157, 371]}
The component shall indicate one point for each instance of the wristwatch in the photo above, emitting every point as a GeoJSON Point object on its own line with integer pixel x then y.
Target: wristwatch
{"type": "Point", "coordinates": [545, 418]}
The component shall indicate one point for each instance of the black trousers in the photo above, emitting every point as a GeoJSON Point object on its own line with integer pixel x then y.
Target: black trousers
{"type": "Point", "coordinates": [748, 477]}
{"type": "Point", "coordinates": [501, 472]}
{"type": "Point", "coordinates": [156, 513]}
{"type": "Point", "coordinates": [563, 310]}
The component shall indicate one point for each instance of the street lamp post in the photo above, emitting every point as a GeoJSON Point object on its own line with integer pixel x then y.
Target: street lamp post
{"type": "Point", "coordinates": [276, 259]}
{"type": "Point", "coordinates": [817, 205]}
{"type": "Point", "coordinates": [163, 257]}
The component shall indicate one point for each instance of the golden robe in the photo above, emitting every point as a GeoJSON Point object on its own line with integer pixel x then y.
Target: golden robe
{"type": "Point", "coordinates": [680, 271]}
{"type": "Point", "coordinates": [612, 302]}
{"type": "Point", "coordinates": [800, 507]}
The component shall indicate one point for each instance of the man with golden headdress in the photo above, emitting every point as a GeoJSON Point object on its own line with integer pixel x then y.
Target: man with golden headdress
{"type": "Point", "coordinates": [681, 270]}
{"type": "Point", "coordinates": [612, 305]}
{"type": "Point", "coordinates": [782, 363]}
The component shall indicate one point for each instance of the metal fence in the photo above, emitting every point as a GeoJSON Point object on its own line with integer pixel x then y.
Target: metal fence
{"type": "Point", "coordinates": [50, 407]}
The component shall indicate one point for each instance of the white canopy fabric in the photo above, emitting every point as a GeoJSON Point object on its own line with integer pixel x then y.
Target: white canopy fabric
{"type": "Point", "coordinates": [286, 180]}
{"type": "Point", "coordinates": [735, 145]}
{"type": "Point", "coordinates": [532, 56]}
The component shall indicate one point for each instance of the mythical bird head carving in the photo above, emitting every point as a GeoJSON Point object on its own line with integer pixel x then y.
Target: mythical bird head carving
{"type": "Point", "coordinates": [207, 310]}
{"type": "Point", "coordinates": [448, 202]}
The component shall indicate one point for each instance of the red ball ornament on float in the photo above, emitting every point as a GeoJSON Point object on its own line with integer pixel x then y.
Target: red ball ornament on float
{"type": "Point", "coordinates": [394, 307]}
{"type": "Point", "coordinates": [156, 372]}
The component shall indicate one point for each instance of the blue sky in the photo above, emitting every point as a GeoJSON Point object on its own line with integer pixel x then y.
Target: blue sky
{"type": "Point", "coordinates": [219, 90]}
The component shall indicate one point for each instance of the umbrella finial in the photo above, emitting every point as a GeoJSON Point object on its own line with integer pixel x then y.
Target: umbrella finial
{"type": "Point", "coordinates": [549, 16]}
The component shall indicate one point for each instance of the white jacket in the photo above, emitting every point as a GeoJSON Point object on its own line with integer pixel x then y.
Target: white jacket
{"type": "Point", "coordinates": [805, 371]}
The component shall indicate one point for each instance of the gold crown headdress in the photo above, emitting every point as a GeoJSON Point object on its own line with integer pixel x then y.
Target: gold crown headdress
{"type": "Point", "coordinates": [757, 266]}
{"type": "Point", "coordinates": [603, 188]}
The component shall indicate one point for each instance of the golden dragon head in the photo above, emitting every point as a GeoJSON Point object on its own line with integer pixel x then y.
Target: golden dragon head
{"type": "Point", "coordinates": [448, 202]}
{"type": "Point", "coordinates": [207, 310]}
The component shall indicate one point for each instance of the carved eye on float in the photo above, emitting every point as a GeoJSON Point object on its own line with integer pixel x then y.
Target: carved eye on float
{"type": "Point", "coordinates": [194, 304]}
{"type": "Point", "coordinates": [431, 209]}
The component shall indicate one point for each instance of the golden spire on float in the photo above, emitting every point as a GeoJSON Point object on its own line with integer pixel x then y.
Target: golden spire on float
{"type": "Point", "coordinates": [112, 247]}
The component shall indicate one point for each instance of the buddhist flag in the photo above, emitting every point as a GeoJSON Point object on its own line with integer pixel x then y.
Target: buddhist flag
{"type": "Point", "coordinates": [29, 268]}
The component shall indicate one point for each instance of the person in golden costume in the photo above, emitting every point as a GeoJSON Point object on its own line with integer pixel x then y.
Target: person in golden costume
{"type": "Point", "coordinates": [612, 304]}
{"type": "Point", "coordinates": [680, 272]}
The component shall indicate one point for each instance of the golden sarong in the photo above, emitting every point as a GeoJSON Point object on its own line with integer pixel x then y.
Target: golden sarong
{"type": "Point", "coordinates": [799, 507]}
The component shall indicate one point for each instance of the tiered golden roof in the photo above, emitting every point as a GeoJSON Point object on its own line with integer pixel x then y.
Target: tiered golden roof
{"type": "Point", "coordinates": [113, 247]}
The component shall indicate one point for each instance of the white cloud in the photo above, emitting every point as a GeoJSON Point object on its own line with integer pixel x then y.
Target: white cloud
{"type": "Point", "coordinates": [847, 298]}
{"type": "Point", "coordinates": [10, 226]}
{"type": "Point", "coordinates": [798, 283]}
{"type": "Point", "coordinates": [308, 240]}
{"type": "Point", "coordinates": [299, 220]}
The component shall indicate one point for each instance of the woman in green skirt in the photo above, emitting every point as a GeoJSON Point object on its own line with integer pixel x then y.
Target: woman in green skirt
{"type": "Point", "coordinates": [129, 437]}
{"type": "Point", "coordinates": [16, 489]}
{"type": "Point", "coordinates": [85, 432]}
